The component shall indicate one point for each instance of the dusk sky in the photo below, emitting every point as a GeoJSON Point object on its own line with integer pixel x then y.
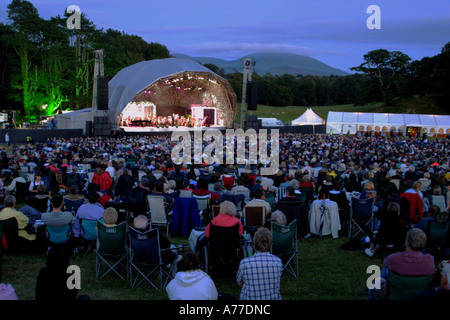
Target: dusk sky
{"type": "Point", "coordinates": [331, 31]}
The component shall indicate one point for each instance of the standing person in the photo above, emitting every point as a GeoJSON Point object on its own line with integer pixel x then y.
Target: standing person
{"type": "Point", "coordinates": [259, 276]}
{"type": "Point", "coordinates": [7, 139]}
{"type": "Point", "coordinates": [191, 283]}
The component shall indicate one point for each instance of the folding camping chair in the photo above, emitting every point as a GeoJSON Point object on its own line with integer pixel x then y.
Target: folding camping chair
{"type": "Point", "coordinates": [254, 217]}
{"type": "Point", "coordinates": [204, 203]}
{"type": "Point", "coordinates": [159, 215]}
{"type": "Point", "coordinates": [58, 235]}
{"type": "Point", "coordinates": [145, 255]}
{"type": "Point", "coordinates": [400, 287]}
{"type": "Point", "coordinates": [88, 233]}
{"type": "Point", "coordinates": [185, 193]}
{"type": "Point", "coordinates": [73, 205]}
{"type": "Point", "coordinates": [437, 236]}
{"type": "Point", "coordinates": [284, 245]}
{"type": "Point", "coordinates": [223, 252]}
{"type": "Point", "coordinates": [361, 217]}
{"type": "Point", "coordinates": [111, 249]}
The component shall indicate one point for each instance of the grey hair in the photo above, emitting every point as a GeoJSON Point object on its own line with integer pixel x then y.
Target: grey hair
{"type": "Point", "coordinates": [229, 208]}
{"type": "Point", "coordinates": [10, 201]}
{"type": "Point", "coordinates": [279, 217]}
{"type": "Point", "coordinates": [140, 221]}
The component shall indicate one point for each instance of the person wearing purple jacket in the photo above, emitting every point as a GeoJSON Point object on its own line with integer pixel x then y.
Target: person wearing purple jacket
{"type": "Point", "coordinates": [92, 210]}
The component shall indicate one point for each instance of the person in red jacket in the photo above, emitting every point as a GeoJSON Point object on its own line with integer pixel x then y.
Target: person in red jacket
{"type": "Point", "coordinates": [102, 178]}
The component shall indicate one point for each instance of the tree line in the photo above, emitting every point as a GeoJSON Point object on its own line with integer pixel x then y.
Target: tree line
{"type": "Point", "coordinates": [46, 66]}
{"type": "Point", "coordinates": [384, 76]}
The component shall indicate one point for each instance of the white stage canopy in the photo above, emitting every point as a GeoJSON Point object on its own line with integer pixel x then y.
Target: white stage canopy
{"type": "Point", "coordinates": [309, 117]}
{"type": "Point", "coordinates": [344, 122]}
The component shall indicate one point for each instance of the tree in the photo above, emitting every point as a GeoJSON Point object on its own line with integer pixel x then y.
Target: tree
{"type": "Point", "coordinates": [27, 24]}
{"type": "Point", "coordinates": [386, 68]}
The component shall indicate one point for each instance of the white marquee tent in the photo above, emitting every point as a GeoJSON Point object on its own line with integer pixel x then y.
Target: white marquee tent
{"type": "Point", "coordinates": [309, 117]}
{"type": "Point", "coordinates": [74, 119]}
{"type": "Point", "coordinates": [344, 122]}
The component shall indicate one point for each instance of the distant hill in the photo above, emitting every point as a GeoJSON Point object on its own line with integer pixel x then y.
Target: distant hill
{"type": "Point", "coordinates": [273, 63]}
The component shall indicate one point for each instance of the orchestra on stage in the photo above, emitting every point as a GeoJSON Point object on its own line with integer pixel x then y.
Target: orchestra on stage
{"type": "Point", "coordinates": [175, 120]}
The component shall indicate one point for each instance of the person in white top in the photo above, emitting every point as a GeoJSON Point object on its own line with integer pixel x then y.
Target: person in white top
{"type": "Point", "coordinates": [111, 170]}
{"type": "Point", "coordinates": [191, 283]}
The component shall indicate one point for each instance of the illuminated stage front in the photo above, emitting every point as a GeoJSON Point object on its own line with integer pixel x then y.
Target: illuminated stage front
{"type": "Point", "coordinates": [168, 129]}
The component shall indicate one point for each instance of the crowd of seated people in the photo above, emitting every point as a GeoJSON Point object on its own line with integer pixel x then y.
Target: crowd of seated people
{"type": "Point", "coordinates": [123, 167]}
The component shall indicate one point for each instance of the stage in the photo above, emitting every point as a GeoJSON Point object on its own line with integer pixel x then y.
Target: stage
{"type": "Point", "coordinates": [156, 130]}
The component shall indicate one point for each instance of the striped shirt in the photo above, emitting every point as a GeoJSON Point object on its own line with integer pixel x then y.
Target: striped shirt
{"type": "Point", "coordinates": [260, 275]}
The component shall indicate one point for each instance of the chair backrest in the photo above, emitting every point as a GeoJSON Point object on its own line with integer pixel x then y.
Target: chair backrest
{"type": "Point", "coordinates": [58, 235]}
{"type": "Point", "coordinates": [246, 194]}
{"type": "Point", "coordinates": [215, 210]}
{"type": "Point", "coordinates": [158, 213]}
{"type": "Point", "coordinates": [228, 182]}
{"type": "Point", "coordinates": [270, 198]}
{"type": "Point", "coordinates": [400, 287]}
{"type": "Point", "coordinates": [72, 179]}
{"type": "Point", "coordinates": [141, 174]}
{"type": "Point", "coordinates": [362, 209]}
{"type": "Point", "coordinates": [341, 199]}
{"type": "Point", "coordinates": [89, 228]}
{"type": "Point", "coordinates": [224, 241]}
{"type": "Point", "coordinates": [22, 190]}
{"type": "Point", "coordinates": [437, 233]}
{"type": "Point", "coordinates": [10, 229]}
{"type": "Point", "coordinates": [136, 202]}
{"type": "Point", "coordinates": [291, 209]}
{"type": "Point", "coordinates": [281, 193]}
{"type": "Point", "coordinates": [439, 200]}
{"type": "Point", "coordinates": [73, 205]}
{"type": "Point", "coordinates": [308, 191]}
{"type": "Point", "coordinates": [396, 182]}
{"type": "Point", "coordinates": [144, 246]}
{"type": "Point", "coordinates": [185, 193]}
{"type": "Point", "coordinates": [202, 201]}
{"type": "Point", "coordinates": [112, 240]}
{"type": "Point", "coordinates": [284, 238]}
{"type": "Point", "coordinates": [254, 216]}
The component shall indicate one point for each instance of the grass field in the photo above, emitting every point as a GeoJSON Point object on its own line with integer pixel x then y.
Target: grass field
{"type": "Point", "coordinates": [290, 113]}
{"type": "Point", "coordinates": [326, 273]}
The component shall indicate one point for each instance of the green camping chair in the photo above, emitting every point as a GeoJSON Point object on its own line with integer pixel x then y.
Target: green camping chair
{"type": "Point", "coordinates": [111, 250]}
{"type": "Point", "coordinates": [400, 287]}
{"type": "Point", "coordinates": [284, 246]}
{"type": "Point", "coordinates": [437, 234]}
